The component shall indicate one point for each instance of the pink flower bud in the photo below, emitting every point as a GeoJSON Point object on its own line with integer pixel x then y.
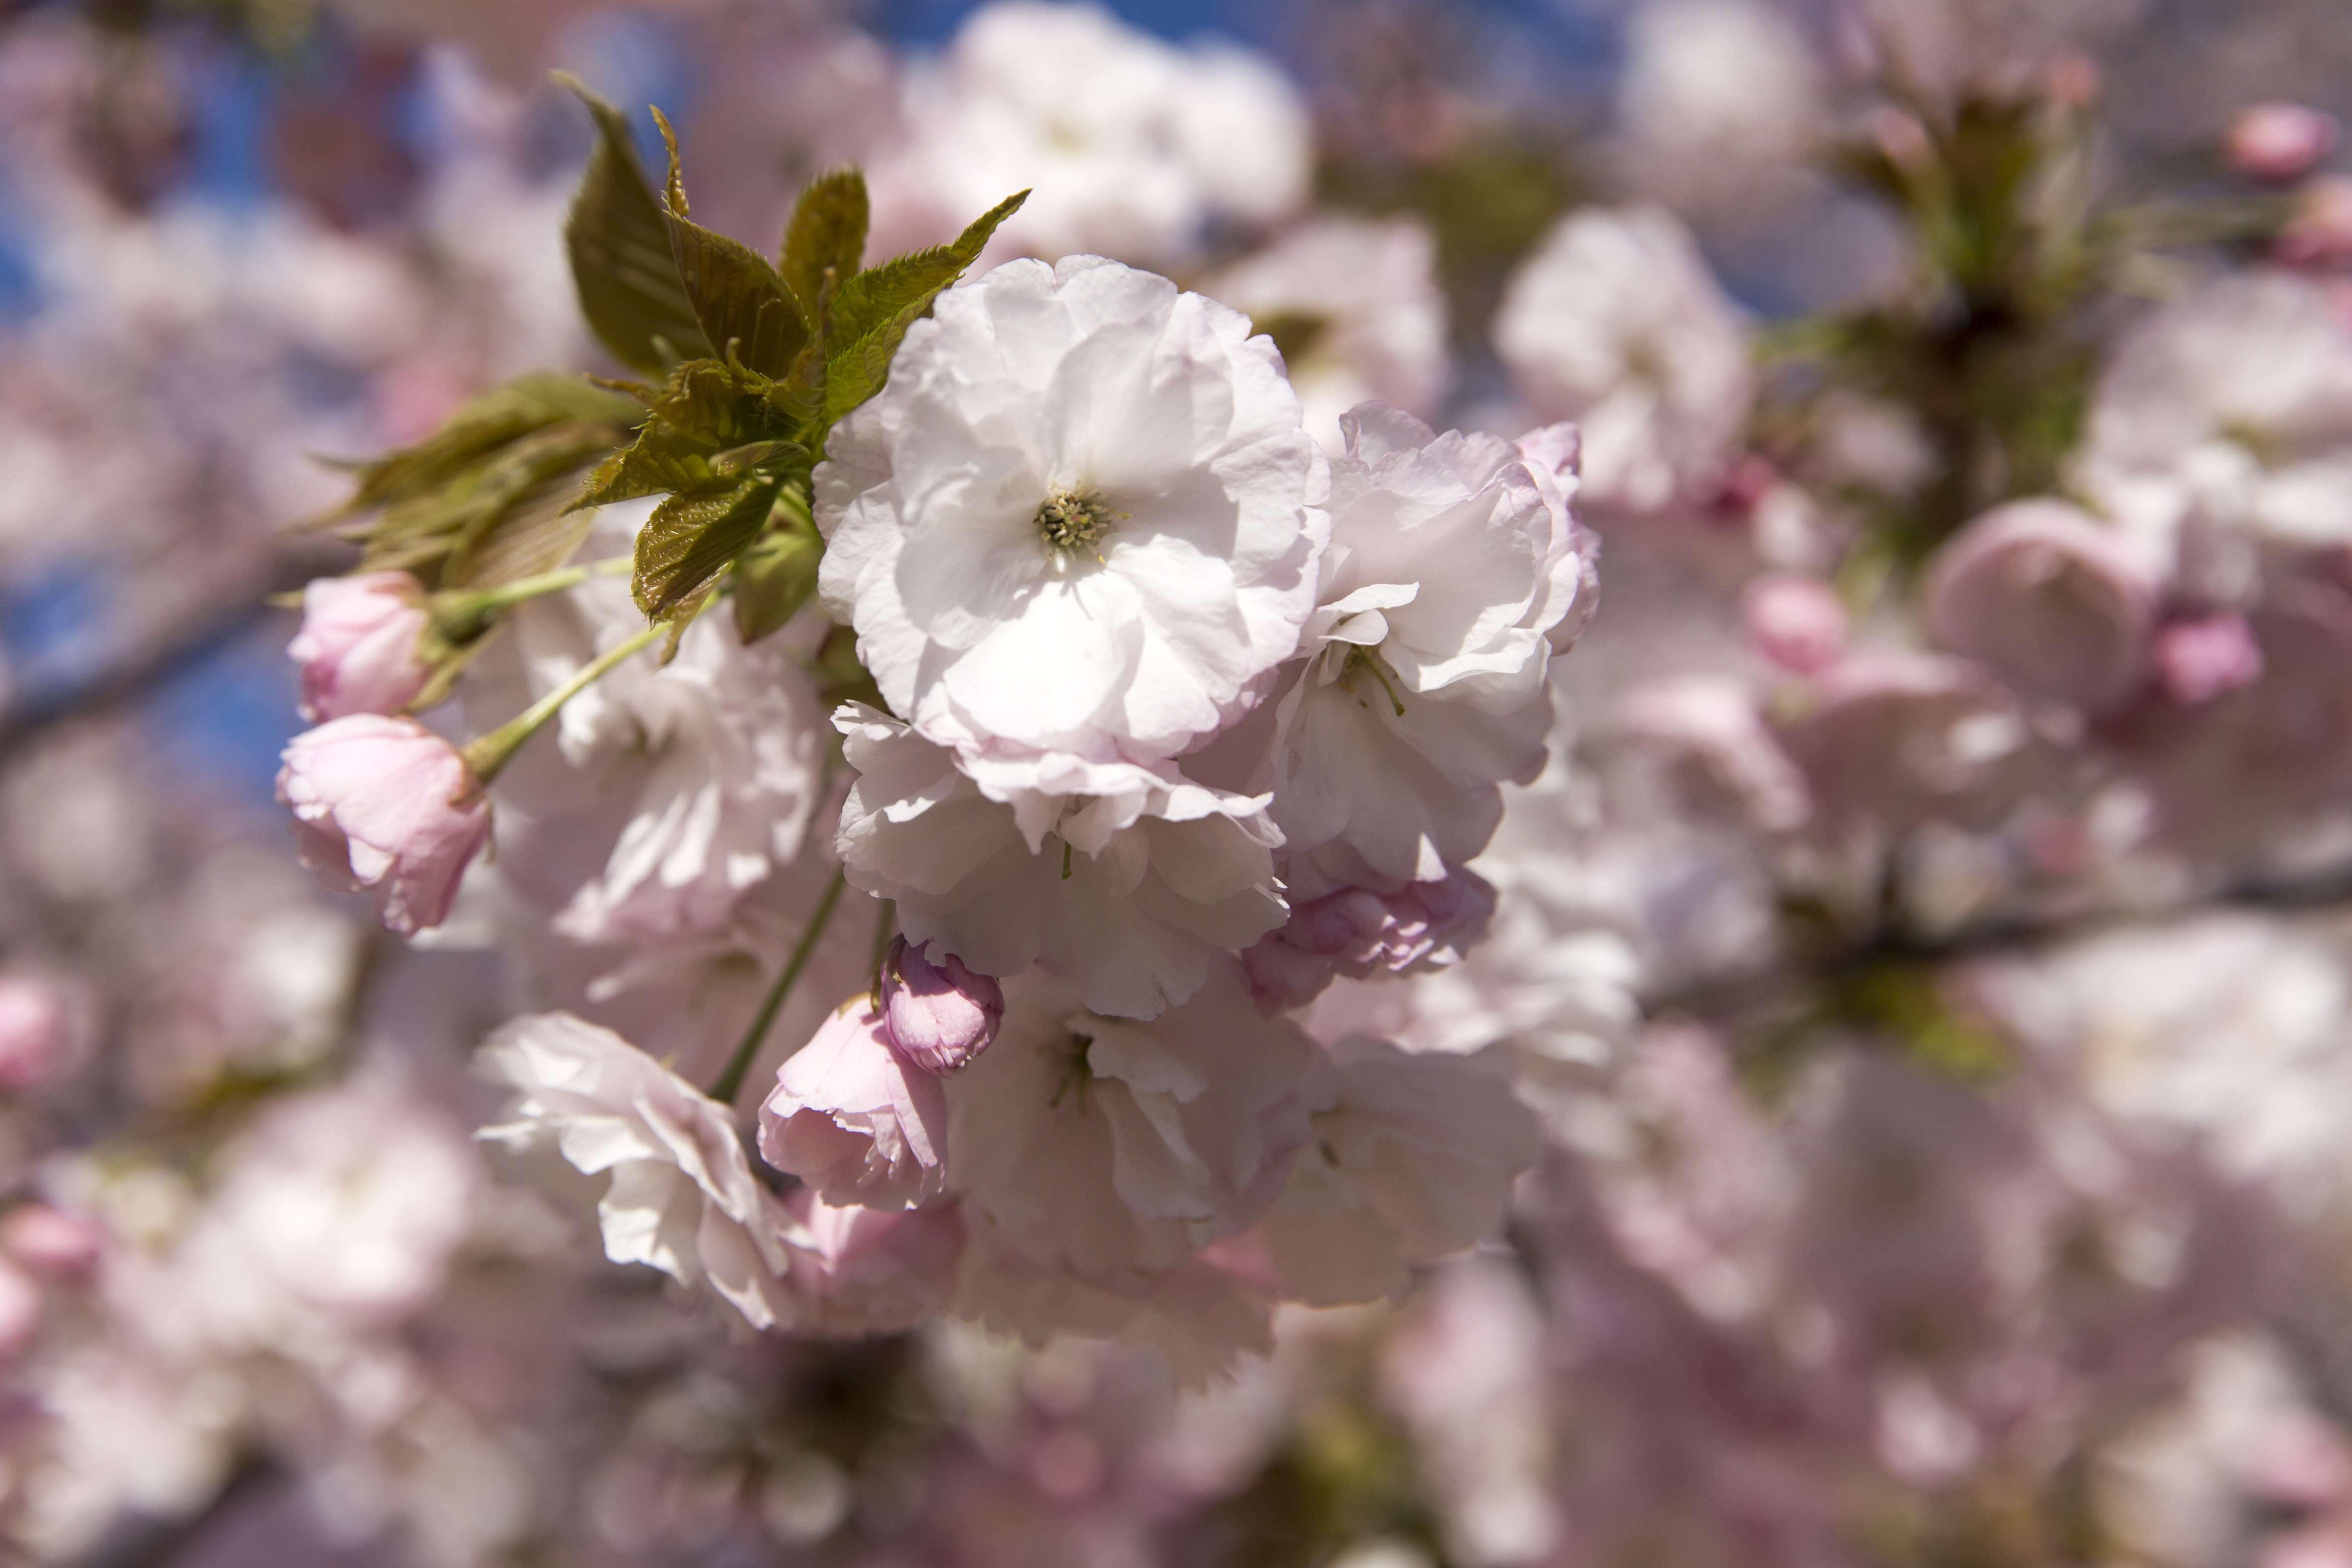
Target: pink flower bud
{"type": "Point", "coordinates": [2279, 143]}
{"type": "Point", "coordinates": [1797, 623]}
{"type": "Point", "coordinates": [50, 1241]}
{"type": "Point", "coordinates": [357, 646]}
{"type": "Point", "coordinates": [2048, 599]}
{"type": "Point", "coordinates": [2198, 660]}
{"type": "Point", "coordinates": [2319, 235]}
{"type": "Point", "coordinates": [939, 1015]}
{"type": "Point", "coordinates": [854, 1119]}
{"type": "Point", "coordinates": [36, 1033]}
{"type": "Point", "coordinates": [386, 805]}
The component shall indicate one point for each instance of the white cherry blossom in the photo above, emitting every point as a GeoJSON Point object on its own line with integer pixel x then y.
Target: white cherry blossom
{"type": "Point", "coordinates": [1362, 298]}
{"type": "Point", "coordinates": [2224, 423]}
{"type": "Point", "coordinates": [1410, 1158]}
{"type": "Point", "coordinates": [1616, 322]}
{"type": "Point", "coordinates": [1096, 1144]}
{"type": "Point", "coordinates": [1128, 145]}
{"type": "Point", "coordinates": [1449, 568]}
{"type": "Point", "coordinates": [1129, 884]}
{"type": "Point", "coordinates": [691, 781]}
{"type": "Point", "coordinates": [682, 1197]}
{"type": "Point", "coordinates": [1076, 520]}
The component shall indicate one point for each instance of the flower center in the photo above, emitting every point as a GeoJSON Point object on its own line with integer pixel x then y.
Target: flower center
{"type": "Point", "coordinates": [1368, 662]}
{"type": "Point", "coordinates": [1076, 1072]}
{"type": "Point", "coordinates": [1074, 519]}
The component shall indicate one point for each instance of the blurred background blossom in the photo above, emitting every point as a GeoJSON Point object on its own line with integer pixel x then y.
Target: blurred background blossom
{"type": "Point", "coordinates": [1925, 951]}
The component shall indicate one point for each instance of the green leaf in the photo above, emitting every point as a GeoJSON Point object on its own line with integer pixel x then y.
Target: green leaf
{"type": "Point", "coordinates": [828, 233]}
{"type": "Point", "coordinates": [477, 501]}
{"type": "Point", "coordinates": [480, 426]}
{"type": "Point", "coordinates": [873, 311]}
{"type": "Point", "coordinates": [690, 539]}
{"type": "Point", "coordinates": [776, 576]}
{"type": "Point", "coordinates": [736, 295]}
{"type": "Point", "coordinates": [712, 422]}
{"type": "Point", "coordinates": [620, 246]}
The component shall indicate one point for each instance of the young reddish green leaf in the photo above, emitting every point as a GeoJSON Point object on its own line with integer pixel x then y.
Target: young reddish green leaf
{"type": "Point", "coordinates": [873, 311]}
{"type": "Point", "coordinates": [776, 576]}
{"type": "Point", "coordinates": [743, 306]}
{"type": "Point", "coordinates": [828, 233]}
{"type": "Point", "coordinates": [620, 249]}
{"type": "Point", "coordinates": [690, 539]}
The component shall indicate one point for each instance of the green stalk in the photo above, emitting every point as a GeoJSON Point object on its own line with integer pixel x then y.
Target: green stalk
{"type": "Point", "coordinates": [731, 1083]}
{"type": "Point", "coordinates": [489, 753]}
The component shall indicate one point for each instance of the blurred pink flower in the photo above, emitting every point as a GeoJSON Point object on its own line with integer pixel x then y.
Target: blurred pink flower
{"type": "Point", "coordinates": [35, 1032]}
{"type": "Point", "coordinates": [386, 805]}
{"type": "Point", "coordinates": [357, 646]}
{"type": "Point", "coordinates": [2198, 660]}
{"type": "Point", "coordinates": [1797, 623]}
{"type": "Point", "coordinates": [2051, 601]}
{"type": "Point", "coordinates": [50, 1241]}
{"type": "Point", "coordinates": [1902, 739]}
{"type": "Point", "coordinates": [2280, 143]}
{"type": "Point", "coordinates": [20, 1312]}
{"type": "Point", "coordinates": [2319, 235]}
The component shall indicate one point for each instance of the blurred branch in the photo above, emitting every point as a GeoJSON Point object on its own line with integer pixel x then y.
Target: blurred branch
{"type": "Point", "coordinates": [1793, 976]}
{"type": "Point", "coordinates": [197, 632]}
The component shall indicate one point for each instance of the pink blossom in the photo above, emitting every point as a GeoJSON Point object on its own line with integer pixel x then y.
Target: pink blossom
{"type": "Point", "coordinates": [871, 1271]}
{"type": "Point", "coordinates": [35, 1033]}
{"type": "Point", "coordinates": [20, 1312]}
{"type": "Point", "coordinates": [2280, 143]}
{"type": "Point", "coordinates": [2319, 235]}
{"type": "Point", "coordinates": [1359, 932]}
{"type": "Point", "coordinates": [855, 1118]}
{"type": "Point", "coordinates": [2198, 660]}
{"type": "Point", "coordinates": [357, 646]}
{"type": "Point", "coordinates": [1902, 739]}
{"type": "Point", "coordinates": [50, 1241]}
{"type": "Point", "coordinates": [1797, 623]}
{"type": "Point", "coordinates": [386, 805]}
{"type": "Point", "coordinates": [937, 1014]}
{"type": "Point", "coordinates": [2047, 598]}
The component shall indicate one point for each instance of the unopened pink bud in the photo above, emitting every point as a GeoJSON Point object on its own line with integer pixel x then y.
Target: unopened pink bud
{"type": "Point", "coordinates": [2279, 143]}
{"type": "Point", "coordinates": [357, 646]}
{"type": "Point", "coordinates": [938, 1013]}
{"type": "Point", "coordinates": [50, 1241]}
{"type": "Point", "coordinates": [35, 1032]}
{"type": "Point", "coordinates": [1796, 623]}
{"type": "Point", "coordinates": [2198, 660]}
{"type": "Point", "coordinates": [387, 806]}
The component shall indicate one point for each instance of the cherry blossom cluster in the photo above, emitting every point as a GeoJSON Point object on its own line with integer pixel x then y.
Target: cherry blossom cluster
{"type": "Point", "coordinates": [1173, 717]}
{"type": "Point", "coordinates": [1027, 858]}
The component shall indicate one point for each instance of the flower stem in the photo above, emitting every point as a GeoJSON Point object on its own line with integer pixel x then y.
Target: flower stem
{"type": "Point", "coordinates": [732, 1082]}
{"type": "Point", "coordinates": [459, 613]}
{"type": "Point", "coordinates": [489, 753]}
